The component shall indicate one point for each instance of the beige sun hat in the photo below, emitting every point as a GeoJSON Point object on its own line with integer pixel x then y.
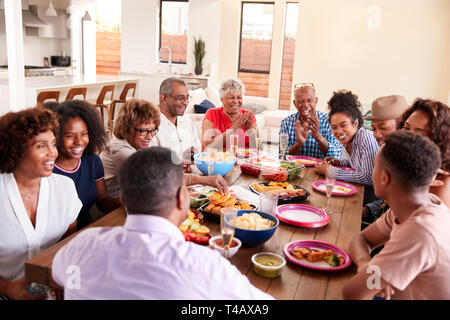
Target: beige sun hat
{"type": "Point", "coordinates": [389, 107]}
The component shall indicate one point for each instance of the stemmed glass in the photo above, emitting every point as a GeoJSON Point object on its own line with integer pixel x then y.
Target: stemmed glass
{"type": "Point", "coordinates": [330, 180]}
{"type": "Point", "coordinates": [227, 214]}
{"type": "Point", "coordinates": [259, 146]}
{"type": "Point", "coordinates": [284, 138]}
{"type": "Point", "coordinates": [233, 144]}
{"type": "Point", "coordinates": [210, 160]}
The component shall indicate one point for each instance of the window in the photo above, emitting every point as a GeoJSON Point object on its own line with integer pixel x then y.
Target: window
{"type": "Point", "coordinates": [173, 30]}
{"type": "Point", "coordinates": [255, 47]}
{"type": "Point", "coordinates": [287, 68]}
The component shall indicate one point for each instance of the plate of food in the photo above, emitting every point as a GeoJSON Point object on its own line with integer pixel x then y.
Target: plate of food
{"type": "Point", "coordinates": [300, 215]}
{"type": "Point", "coordinates": [304, 160]}
{"type": "Point", "coordinates": [193, 230]}
{"type": "Point", "coordinates": [340, 188]}
{"type": "Point", "coordinates": [286, 192]}
{"type": "Point", "coordinates": [217, 201]}
{"type": "Point", "coordinates": [317, 255]}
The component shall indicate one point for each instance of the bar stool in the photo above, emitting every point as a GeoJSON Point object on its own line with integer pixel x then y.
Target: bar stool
{"type": "Point", "coordinates": [73, 92]}
{"type": "Point", "coordinates": [123, 97]}
{"type": "Point", "coordinates": [105, 104]}
{"type": "Point", "coordinates": [47, 95]}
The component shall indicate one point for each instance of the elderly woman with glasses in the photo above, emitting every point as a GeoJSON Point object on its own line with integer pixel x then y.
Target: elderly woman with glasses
{"type": "Point", "coordinates": [136, 125]}
{"type": "Point", "coordinates": [220, 123]}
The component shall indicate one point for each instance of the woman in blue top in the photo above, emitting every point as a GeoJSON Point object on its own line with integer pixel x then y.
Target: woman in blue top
{"type": "Point", "coordinates": [81, 137]}
{"type": "Point", "coordinates": [360, 146]}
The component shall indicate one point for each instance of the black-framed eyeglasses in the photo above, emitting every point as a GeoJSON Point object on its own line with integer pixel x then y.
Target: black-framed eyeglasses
{"type": "Point", "coordinates": [145, 132]}
{"type": "Point", "coordinates": [180, 98]}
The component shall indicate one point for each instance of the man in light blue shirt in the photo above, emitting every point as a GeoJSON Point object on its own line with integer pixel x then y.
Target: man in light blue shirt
{"type": "Point", "coordinates": [148, 258]}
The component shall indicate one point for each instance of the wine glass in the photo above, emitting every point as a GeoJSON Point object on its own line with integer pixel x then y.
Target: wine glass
{"type": "Point", "coordinates": [210, 160]}
{"type": "Point", "coordinates": [330, 180]}
{"type": "Point", "coordinates": [233, 144]}
{"type": "Point", "coordinates": [284, 138]}
{"type": "Point", "coordinates": [227, 214]}
{"type": "Point", "coordinates": [259, 146]}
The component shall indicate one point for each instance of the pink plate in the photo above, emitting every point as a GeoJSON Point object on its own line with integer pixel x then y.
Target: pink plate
{"type": "Point", "coordinates": [304, 160]}
{"type": "Point", "coordinates": [318, 245]}
{"type": "Point", "coordinates": [340, 188]}
{"type": "Point", "coordinates": [300, 215]}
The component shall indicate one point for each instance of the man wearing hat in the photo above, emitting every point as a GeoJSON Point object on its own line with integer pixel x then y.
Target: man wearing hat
{"type": "Point", "coordinates": [386, 113]}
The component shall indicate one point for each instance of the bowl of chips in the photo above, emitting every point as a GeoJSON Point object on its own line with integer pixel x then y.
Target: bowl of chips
{"type": "Point", "coordinates": [254, 227]}
{"type": "Point", "coordinates": [223, 162]}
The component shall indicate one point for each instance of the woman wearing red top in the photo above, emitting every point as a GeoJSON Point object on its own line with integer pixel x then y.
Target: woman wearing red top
{"type": "Point", "coordinates": [219, 123]}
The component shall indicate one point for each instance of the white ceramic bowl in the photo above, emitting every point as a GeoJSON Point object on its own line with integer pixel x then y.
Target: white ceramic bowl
{"type": "Point", "coordinates": [231, 252]}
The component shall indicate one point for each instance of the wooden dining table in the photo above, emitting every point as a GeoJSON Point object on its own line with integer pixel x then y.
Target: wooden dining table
{"type": "Point", "coordinates": [295, 282]}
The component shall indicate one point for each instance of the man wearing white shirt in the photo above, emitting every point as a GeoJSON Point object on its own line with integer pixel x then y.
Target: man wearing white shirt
{"type": "Point", "coordinates": [148, 257]}
{"type": "Point", "coordinates": [176, 131]}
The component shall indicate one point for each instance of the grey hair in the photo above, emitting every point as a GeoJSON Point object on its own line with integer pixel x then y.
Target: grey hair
{"type": "Point", "coordinates": [230, 85]}
{"type": "Point", "coordinates": [166, 85]}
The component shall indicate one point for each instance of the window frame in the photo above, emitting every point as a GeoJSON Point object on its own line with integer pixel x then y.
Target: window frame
{"type": "Point", "coordinates": [240, 38]}
{"type": "Point", "coordinates": [160, 31]}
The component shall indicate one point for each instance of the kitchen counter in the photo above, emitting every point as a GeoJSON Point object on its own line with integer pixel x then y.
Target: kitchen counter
{"type": "Point", "coordinates": [59, 82]}
{"type": "Point", "coordinates": [34, 85]}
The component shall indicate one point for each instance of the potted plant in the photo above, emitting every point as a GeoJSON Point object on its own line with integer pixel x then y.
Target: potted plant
{"type": "Point", "coordinates": [199, 54]}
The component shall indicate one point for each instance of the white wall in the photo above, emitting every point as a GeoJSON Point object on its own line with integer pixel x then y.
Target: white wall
{"type": "Point", "coordinates": [408, 55]}
{"type": "Point", "coordinates": [140, 36]}
{"type": "Point", "coordinates": [77, 11]}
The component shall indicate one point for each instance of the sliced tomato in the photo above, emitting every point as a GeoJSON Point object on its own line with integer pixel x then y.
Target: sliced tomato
{"type": "Point", "coordinates": [190, 235]}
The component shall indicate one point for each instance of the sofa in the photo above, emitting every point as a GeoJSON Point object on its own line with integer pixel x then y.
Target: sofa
{"type": "Point", "coordinates": [268, 118]}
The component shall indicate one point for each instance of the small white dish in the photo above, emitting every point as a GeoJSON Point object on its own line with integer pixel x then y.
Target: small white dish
{"type": "Point", "coordinates": [231, 252]}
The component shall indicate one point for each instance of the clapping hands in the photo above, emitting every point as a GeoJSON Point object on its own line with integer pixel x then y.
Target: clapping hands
{"type": "Point", "coordinates": [243, 119]}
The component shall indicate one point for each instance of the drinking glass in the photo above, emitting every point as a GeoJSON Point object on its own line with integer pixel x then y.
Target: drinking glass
{"type": "Point", "coordinates": [284, 138]}
{"type": "Point", "coordinates": [233, 144]}
{"type": "Point", "coordinates": [210, 160]}
{"type": "Point", "coordinates": [227, 214]}
{"type": "Point", "coordinates": [259, 146]}
{"type": "Point", "coordinates": [268, 202]}
{"type": "Point", "coordinates": [330, 180]}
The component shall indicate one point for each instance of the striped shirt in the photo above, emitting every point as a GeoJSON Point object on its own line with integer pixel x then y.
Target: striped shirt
{"type": "Point", "coordinates": [311, 148]}
{"type": "Point", "coordinates": [364, 149]}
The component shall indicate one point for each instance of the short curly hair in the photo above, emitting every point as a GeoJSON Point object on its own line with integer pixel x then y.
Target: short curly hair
{"type": "Point", "coordinates": [439, 115]}
{"type": "Point", "coordinates": [80, 109]}
{"type": "Point", "coordinates": [17, 129]}
{"type": "Point", "coordinates": [132, 113]}
{"type": "Point", "coordinates": [344, 101]}
{"type": "Point", "coordinates": [231, 85]}
{"type": "Point", "coordinates": [413, 157]}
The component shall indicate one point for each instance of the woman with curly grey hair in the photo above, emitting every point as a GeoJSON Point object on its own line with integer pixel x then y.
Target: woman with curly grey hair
{"type": "Point", "coordinates": [220, 123]}
{"type": "Point", "coordinates": [37, 208]}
